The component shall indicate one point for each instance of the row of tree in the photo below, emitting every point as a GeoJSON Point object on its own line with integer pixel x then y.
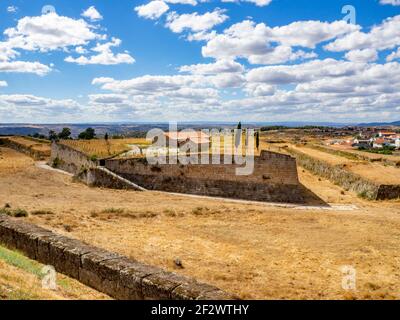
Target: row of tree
{"type": "Point", "coordinates": [66, 134]}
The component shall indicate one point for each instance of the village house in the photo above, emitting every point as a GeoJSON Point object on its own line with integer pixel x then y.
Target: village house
{"type": "Point", "coordinates": [362, 143]}
{"type": "Point", "coordinates": [379, 143]}
{"type": "Point", "coordinates": [199, 140]}
{"type": "Point", "coordinates": [387, 134]}
{"type": "Point", "coordinates": [387, 139]}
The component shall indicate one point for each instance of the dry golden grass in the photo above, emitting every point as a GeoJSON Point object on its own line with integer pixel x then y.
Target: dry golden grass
{"type": "Point", "coordinates": [372, 156]}
{"type": "Point", "coordinates": [30, 143]}
{"type": "Point", "coordinates": [11, 161]}
{"type": "Point", "coordinates": [253, 250]}
{"type": "Point", "coordinates": [374, 172]}
{"type": "Point", "coordinates": [102, 148]}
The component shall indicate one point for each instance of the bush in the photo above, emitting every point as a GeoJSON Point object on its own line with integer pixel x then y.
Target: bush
{"type": "Point", "coordinates": [88, 134]}
{"type": "Point", "coordinates": [19, 213]}
{"type": "Point", "coordinates": [113, 210]}
{"type": "Point", "coordinates": [16, 213]}
{"type": "Point", "coordinates": [42, 212]}
{"type": "Point", "coordinates": [56, 162]}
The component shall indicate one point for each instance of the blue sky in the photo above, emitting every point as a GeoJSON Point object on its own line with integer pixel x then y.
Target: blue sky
{"type": "Point", "coordinates": [255, 60]}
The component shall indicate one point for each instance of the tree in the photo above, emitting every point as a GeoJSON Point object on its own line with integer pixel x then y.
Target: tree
{"type": "Point", "coordinates": [53, 135]}
{"type": "Point", "coordinates": [65, 134]}
{"type": "Point", "coordinates": [106, 136]}
{"type": "Point", "coordinates": [88, 134]}
{"type": "Point", "coordinates": [258, 140]}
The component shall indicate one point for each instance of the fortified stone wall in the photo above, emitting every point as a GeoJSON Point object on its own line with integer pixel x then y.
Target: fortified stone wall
{"type": "Point", "coordinates": [275, 178]}
{"type": "Point", "coordinates": [35, 154]}
{"type": "Point", "coordinates": [69, 159]}
{"type": "Point", "coordinates": [104, 271]}
{"type": "Point", "coordinates": [346, 179]}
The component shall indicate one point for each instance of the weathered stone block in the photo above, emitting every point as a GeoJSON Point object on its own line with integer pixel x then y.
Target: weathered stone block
{"type": "Point", "coordinates": [190, 290]}
{"type": "Point", "coordinates": [160, 285]}
{"type": "Point", "coordinates": [131, 279]}
{"type": "Point", "coordinates": [92, 272]}
{"type": "Point", "coordinates": [217, 295]}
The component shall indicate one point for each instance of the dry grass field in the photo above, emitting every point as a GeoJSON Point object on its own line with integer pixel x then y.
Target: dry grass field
{"type": "Point", "coordinates": [373, 171]}
{"type": "Point", "coordinates": [372, 156]}
{"type": "Point", "coordinates": [101, 148]}
{"type": "Point", "coordinates": [254, 250]}
{"type": "Point", "coordinates": [33, 144]}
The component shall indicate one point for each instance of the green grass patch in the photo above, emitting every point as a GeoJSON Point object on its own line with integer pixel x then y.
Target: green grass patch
{"type": "Point", "coordinates": [18, 260]}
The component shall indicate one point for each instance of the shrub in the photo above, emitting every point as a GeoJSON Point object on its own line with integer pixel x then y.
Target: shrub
{"type": "Point", "coordinates": [113, 210]}
{"type": "Point", "coordinates": [42, 212]}
{"type": "Point", "coordinates": [19, 213]}
{"type": "Point", "coordinates": [16, 213]}
{"type": "Point", "coordinates": [56, 162]}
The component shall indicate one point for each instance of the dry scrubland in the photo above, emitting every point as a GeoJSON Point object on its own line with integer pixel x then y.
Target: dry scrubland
{"type": "Point", "coordinates": [253, 250]}
{"type": "Point", "coordinates": [372, 171]}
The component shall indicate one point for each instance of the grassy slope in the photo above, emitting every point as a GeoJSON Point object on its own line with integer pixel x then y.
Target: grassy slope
{"type": "Point", "coordinates": [20, 279]}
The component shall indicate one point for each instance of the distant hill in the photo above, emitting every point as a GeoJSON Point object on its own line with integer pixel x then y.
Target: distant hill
{"type": "Point", "coordinates": [131, 128]}
{"type": "Point", "coordinates": [380, 124]}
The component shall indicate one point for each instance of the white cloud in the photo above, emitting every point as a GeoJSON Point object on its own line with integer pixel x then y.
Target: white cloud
{"type": "Point", "coordinates": [153, 10]}
{"type": "Point", "coordinates": [202, 36]}
{"type": "Point", "coordinates": [392, 2]}
{"type": "Point", "coordinates": [49, 32]}
{"type": "Point", "coordinates": [28, 108]}
{"type": "Point", "coordinates": [259, 3]}
{"type": "Point", "coordinates": [259, 89]}
{"type": "Point", "coordinates": [105, 56]}
{"type": "Point", "coordinates": [194, 21]}
{"type": "Point", "coordinates": [12, 9]}
{"type": "Point", "coordinates": [3, 84]}
{"type": "Point", "coordinates": [81, 50]}
{"type": "Point", "coordinates": [191, 2]}
{"type": "Point", "coordinates": [147, 84]}
{"type": "Point", "coordinates": [220, 66]}
{"type": "Point", "coordinates": [305, 72]}
{"type": "Point", "coordinates": [92, 14]}
{"type": "Point", "coordinates": [365, 55]}
{"type": "Point", "coordinates": [6, 52]}
{"type": "Point", "coordinates": [24, 67]}
{"type": "Point", "coordinates": [281, 54]}
{"type": "Point", "coordinates": [381, 37]}
{"type": "Point", "coordinates": [319, 88]}
{"type": "Point", "coordinates": [257, 42]}
{"type": "Point", "coordinates": [394, 55]}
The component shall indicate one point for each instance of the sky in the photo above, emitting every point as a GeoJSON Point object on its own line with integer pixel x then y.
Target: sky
{"type": "Point", "coordinates": [64, 61]}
